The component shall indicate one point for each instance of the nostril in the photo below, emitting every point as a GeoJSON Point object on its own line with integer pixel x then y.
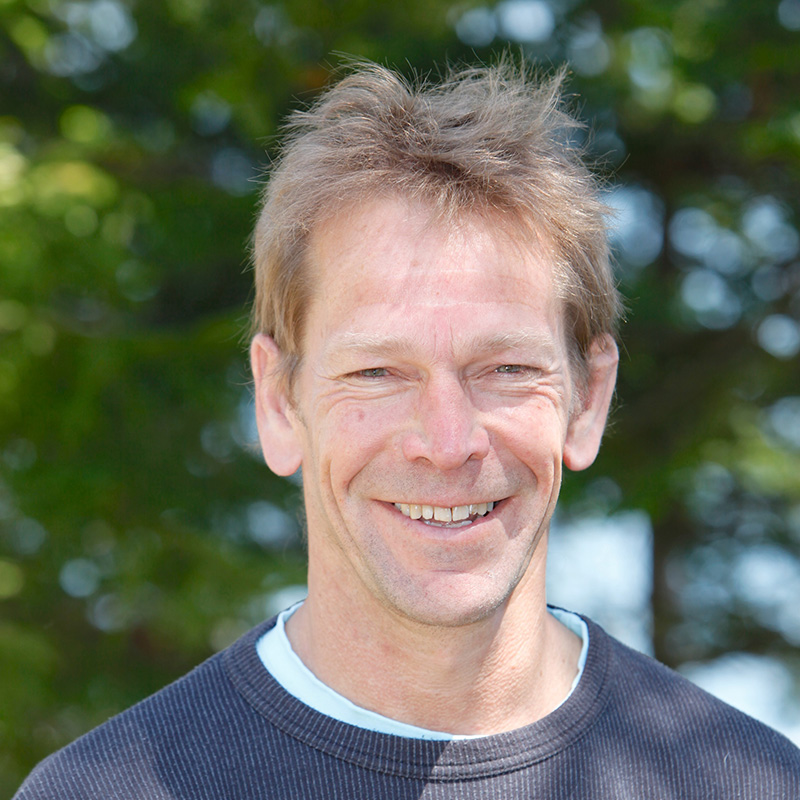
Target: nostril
{"type": "Point", "coordinates": [447, 446]}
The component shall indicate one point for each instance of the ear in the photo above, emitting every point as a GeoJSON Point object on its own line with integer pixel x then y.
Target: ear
{"type": "Point", "coordinates": [277, 422]}
{"type": "Point", "coordinates": [586, 426]}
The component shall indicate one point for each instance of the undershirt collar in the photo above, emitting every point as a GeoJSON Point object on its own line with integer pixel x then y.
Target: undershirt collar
{"type": "Point", "coordinates": [276, 654]}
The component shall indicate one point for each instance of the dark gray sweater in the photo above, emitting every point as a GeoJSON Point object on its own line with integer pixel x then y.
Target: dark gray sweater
{"type": "Point", "coordinates": [227, 731]}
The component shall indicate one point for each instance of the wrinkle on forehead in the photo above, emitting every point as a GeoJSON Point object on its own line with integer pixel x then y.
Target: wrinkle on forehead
{"type": "Point", "coordinates": [394, 262]}
{"type": "Point", "coordinates": [498, 237]}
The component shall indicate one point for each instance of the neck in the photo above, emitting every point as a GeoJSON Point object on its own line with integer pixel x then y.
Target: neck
{"type": "Point", "coordinates": [500, 673]}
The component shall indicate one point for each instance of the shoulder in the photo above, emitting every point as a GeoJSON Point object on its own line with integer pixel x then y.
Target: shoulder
{"type": "Point", "coordinates": [148, 750]}
{"type": "Point", "coordinates": [121, 758]}
{"type": "Point", "coordinates": [659, 715]}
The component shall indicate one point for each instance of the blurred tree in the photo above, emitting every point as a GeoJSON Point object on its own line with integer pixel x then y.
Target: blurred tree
{"type": "Point", "coordinates": [139, 530]}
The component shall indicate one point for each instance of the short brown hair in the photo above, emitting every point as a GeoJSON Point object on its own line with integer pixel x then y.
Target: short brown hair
{"type": "Point", "coordinates": [486, 139]}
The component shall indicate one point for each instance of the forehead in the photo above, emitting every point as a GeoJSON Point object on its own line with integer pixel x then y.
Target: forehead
{"type": "Point", "coordinates": [392, 250]}
{"type": "Point", "coordinates": [391, 279]}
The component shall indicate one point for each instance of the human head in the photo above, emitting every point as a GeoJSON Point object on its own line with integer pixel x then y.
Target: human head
{"type": "Point", "coordinates": [487, 140]}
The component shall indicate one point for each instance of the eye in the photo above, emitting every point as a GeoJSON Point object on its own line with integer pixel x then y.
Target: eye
{"type": "Point", "coordinates": [518, 372]}
{"type": "Point", "coordinates": [372, 372]}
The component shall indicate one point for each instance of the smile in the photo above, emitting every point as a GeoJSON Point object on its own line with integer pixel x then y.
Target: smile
{"type": "Point", "coordinates": [443, 515]}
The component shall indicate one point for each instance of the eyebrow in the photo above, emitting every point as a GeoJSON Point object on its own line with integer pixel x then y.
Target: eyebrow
{"type": "Point", "coordinates": [525, 339]}
{"type": "Point", "coordinates": [369, 344]}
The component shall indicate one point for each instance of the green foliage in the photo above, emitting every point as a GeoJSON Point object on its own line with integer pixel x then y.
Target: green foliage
{"type": "Point", "coordinates": [138, 531]}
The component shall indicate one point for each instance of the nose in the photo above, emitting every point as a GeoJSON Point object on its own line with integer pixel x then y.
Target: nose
{"type": "Point", "coordinates": [446, 431]}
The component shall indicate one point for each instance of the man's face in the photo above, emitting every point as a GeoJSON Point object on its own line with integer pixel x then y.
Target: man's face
{"type": "Point", "coordinates": [434, 383]}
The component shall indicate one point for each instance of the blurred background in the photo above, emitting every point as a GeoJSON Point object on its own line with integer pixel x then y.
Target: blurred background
{"type": "Point", "coordinates": [139, 529]}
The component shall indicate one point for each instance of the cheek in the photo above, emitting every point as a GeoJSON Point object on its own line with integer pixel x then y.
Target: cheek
{"type": "Point", "coordinates": [535, 438]}
{"type": "Point", "coordinates": [351, 437]}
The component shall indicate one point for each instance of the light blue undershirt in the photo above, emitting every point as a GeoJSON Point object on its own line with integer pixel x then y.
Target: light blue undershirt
{"type": "Point", "coordinates": [284, 664]}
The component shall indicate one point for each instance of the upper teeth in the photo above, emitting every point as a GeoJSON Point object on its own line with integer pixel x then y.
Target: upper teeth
{"type": "Point", "coordinates": [443, 513]}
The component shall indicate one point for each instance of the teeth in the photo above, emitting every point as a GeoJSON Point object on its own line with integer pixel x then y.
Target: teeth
{"type": "Point", "coordinates": [444, 514]}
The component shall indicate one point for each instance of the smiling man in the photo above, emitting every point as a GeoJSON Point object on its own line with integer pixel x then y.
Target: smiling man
{"type": "Point", "coordinates": [435, 318]}
{"type": "Point", "coordinates": [431, 411]}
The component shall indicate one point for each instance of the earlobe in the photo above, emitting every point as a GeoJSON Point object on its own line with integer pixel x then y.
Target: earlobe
{"type": "Point", "coordinates": [585, 430]}
{"type": "Point", "coordinates": [277, 423]}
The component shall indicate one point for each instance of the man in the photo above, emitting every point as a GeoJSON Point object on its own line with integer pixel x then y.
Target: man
{"type": "Point", "coordinates": [435, 319]}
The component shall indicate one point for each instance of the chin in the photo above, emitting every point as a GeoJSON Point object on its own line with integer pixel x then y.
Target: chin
{"type": "Point", "coordinates": [454, 603]}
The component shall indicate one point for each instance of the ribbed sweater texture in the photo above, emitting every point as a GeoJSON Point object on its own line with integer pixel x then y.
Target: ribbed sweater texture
{"type": "Point", "coordinates": [631, 730]}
